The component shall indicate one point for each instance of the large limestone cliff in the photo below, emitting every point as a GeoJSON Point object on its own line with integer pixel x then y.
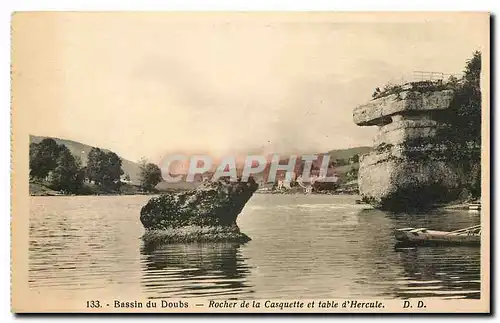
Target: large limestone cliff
{"type": "Point", "coordinates": [406, 169]}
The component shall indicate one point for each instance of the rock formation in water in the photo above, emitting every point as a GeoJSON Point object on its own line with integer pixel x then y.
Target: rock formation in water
{"type": "Point", "coordinates": [207, 213]}
{"type": "Point", "coordinates": [407, 167]}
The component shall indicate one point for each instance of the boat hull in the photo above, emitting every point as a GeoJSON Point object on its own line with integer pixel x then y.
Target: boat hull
{"type": "Point", "coordinates": [425, 237]}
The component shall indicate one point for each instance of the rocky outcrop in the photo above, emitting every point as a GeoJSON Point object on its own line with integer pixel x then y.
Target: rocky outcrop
{"type": "Point", "coordinates": [207, 213]}
{"type": "Point", "coordinates": [404, 103]}
{"type": "Point", "coordinates": [406, 168]}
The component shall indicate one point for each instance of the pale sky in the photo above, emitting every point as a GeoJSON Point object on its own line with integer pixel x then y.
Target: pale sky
{"type": "Point", "coordinates": [151, 84]}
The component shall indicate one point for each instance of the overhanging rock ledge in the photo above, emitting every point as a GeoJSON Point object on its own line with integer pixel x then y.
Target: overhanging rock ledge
{"type": "Point", "coordinates": [406, 168]}
{"type": "Point", "coordinates": [207, 213]}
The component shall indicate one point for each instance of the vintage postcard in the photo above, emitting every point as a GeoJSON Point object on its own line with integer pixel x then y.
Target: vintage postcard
{"type": "Point", "coordinates": [250, 162]}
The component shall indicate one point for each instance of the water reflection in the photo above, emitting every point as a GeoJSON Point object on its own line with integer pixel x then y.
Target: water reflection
{"type": "Point", "coordinates": [445, 272]}
{"type": "Point", "coordinates": [194, 270]}
{"type": "Point", "coordinates": [303, 247]}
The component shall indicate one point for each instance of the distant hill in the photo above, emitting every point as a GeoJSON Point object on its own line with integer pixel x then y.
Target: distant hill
{"type": "Point", "coordinates": [133, 169]}
{"type": "Point", "coordinates": [82, 150]}
{"type": "Point", "coordinates": [349, 152]}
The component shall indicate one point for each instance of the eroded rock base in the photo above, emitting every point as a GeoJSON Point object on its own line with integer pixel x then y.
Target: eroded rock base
{"type": "Point", "coordinates": [402, 183]}
{"type": "Point", "coordinates": [195, 234]}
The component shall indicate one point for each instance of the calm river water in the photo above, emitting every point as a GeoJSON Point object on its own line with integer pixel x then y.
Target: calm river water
{"type": "Point", "coordinates": [302, 247]}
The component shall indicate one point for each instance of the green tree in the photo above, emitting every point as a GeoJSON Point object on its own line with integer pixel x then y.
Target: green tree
{"type": "Point", "coordinates": [462, 135]}
{"type": "Point", "coordinates": [355, 158]}
{"type": "Point", "coordinates": [104, 168]}
{"type": "Point", "coordinates": [352, 174]}
{"type": "Point", "coordinates": [43, 158]}
{"type": "Point", "coordinates": [340, 162]}
{"type": "Point", "coordinates": [150, 175]}
{"type": "Point", "coordinates": [66, 176]}
{"type": "Point", "coordinates": [453, 81]}
{"type": "Point", "coordinates": [112, 170]}
{"type": "Point", "coordinates": [320, 186]}
{"type": "Point", "coordinates": [94, 165]}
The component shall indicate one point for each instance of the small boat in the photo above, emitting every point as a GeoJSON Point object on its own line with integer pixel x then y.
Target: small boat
{"type": "Point", "coordinates": [424, 236]}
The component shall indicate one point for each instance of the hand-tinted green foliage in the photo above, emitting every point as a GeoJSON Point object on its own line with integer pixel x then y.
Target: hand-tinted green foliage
{"type": "Point", "coordinates": [150, 176]}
